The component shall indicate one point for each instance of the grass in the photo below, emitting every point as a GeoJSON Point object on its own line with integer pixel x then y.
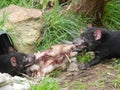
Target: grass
{"type": "Point", "coordinates": [59, 25]}
{"type": "Point", "coordinates": [55, 73]}
{"type": "Point", "coordinates": [117, 65]}
{"type": "Point", "coordinates": [111, 17]}
{"type": "Point", "coordinates": [47, 84]}
{"type": "Point", "coordinates": [84, 57]}
{"type": "Point", "coordinates": [39, 4]}
{"type": "Point", "coordinates": [23, 3]}
{"type": "Point", "coordinates": [111, 20]}
{"type": "Point", "coordinates": [78, 86]}
{"type": "Point", "coordinates": [116, 83]}
{"type": "Point", "coordinates": [3, 20]}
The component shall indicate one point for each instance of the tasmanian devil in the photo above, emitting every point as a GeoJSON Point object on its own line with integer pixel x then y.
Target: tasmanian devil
{"type": "Point", "coordinates": [104, 43]}
{"type": "Point", "coordinates": [15, 62]}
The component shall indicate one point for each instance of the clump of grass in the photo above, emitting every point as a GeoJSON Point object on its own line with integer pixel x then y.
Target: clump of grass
{"type": "Point", "coordinates": [84, 57]}
{"type": "Point", "coordinates": [111, 17]}
{"type": "Point", "coordinates": [3, 20]}
{"type": "Point", "coordinates": [78, 86]}
{"type": "Point", "coordinates": [55, 73]}
{"type": "Point", "coordinates": [23, 3]}
{"type": "Point", "coordinates": [47, 84]}
{"type": "Point", "coordinates": [116, 83]}
{"type": "Point", "coordinates": [44, 3]}
{"type": "Point", "coordinates": [117, 65]}
{"type": "Point", "coordinates": [58, 26]}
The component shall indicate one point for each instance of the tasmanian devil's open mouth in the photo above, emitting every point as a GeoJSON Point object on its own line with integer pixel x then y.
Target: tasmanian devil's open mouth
{"type": "Point", "coordinates": [79, 48]}
{"type": "Point", "coordinates": [29, 64]}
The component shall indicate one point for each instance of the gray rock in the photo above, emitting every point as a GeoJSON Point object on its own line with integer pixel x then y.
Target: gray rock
{"type": "Point", "coordinates": [8, 82]}
{"type": "Point", "coordinates": [73, 67]}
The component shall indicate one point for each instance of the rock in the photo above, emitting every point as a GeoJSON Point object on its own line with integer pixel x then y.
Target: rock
{"type": "Point", "coordinates": [4, 79]}
{"type": "Point", "coordinates": [8, 82]}
{"type": "Point", "coordinates": [73, 67]}
{"type": "Point", "coordinates": [16, 13]}
{"type": "Point", "coordinates": [26, 26]}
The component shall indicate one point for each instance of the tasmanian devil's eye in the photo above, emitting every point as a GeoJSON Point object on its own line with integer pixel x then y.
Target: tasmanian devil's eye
{"type": "Point", "coordinates": [84, 38]}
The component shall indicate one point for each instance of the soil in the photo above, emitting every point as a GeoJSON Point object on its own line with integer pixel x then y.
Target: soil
{"type": "Point", "coordinates": [98, 77]}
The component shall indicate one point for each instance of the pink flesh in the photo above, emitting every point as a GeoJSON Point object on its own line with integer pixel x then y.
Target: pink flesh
{"type": "Point", "coordinates": [54, 55]}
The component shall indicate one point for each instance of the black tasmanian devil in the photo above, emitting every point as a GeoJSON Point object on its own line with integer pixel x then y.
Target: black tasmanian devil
{"type": "Point", "coordinates": [104, 43]}
{"type": "Point", "coordinates": [15, 63]}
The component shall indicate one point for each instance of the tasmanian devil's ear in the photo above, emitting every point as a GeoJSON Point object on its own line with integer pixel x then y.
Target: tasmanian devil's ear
{"type": "Point", "coordinates": [10, 49]}
{"type": "Point", "coordinates": [13, 61]}
{"type": "Point", "coordinates": [97, 34]}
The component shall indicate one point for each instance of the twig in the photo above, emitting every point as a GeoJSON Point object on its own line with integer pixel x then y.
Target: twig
{"type": "Point", "coordinates": [68, 58]}
{"type": "Point", "coordinates": [26, 76]}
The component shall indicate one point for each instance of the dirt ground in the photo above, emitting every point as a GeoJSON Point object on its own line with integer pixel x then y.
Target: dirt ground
{"type": "Point", "coordinates": [98, 77]}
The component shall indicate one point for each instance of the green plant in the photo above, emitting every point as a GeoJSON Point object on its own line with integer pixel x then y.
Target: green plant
{"type": "Point", "coordinates": [3, 20]}
{"type": "Point", "coordinates": [78, 86]}
{"type": "Point", "coordinates": [101, 83]}
{"type": "Point", "coordinates": [23, 3]}
{"type": "Point", "coordinates": [111, 17]}
{"type": "Point", "coordinates": [84, 57]}
{"type": "Point", "coordinates": [116, 64]}
{"type": "Point", "coordinates": [116, 83]}
{"type": "Point", "coordinates": [47, 84]}
{"type": "Point", "coordinates": [44, 3]}
{"type": "Point", "coordinates": [59, 25]}
{"type": "Point", "coordinates": [55, 73]}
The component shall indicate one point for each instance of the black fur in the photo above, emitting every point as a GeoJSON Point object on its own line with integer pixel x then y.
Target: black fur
{"type": "Point", "coordinates": [107, 47]}
{"type": "Point", "coordinates": [21, 62]}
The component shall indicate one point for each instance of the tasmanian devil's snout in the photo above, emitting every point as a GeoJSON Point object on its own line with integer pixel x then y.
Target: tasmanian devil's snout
{"type": "Point", "coordinates": [80, 44]}
{"type": "Point", "coordinates": [28, 59]}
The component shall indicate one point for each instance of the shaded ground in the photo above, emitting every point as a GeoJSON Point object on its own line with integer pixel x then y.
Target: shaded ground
{"type": "Point", "coordinates": [99, 77]}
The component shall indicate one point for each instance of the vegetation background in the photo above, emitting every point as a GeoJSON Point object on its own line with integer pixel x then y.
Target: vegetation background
{"type": "Point", "coordinates": [61, 24]}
